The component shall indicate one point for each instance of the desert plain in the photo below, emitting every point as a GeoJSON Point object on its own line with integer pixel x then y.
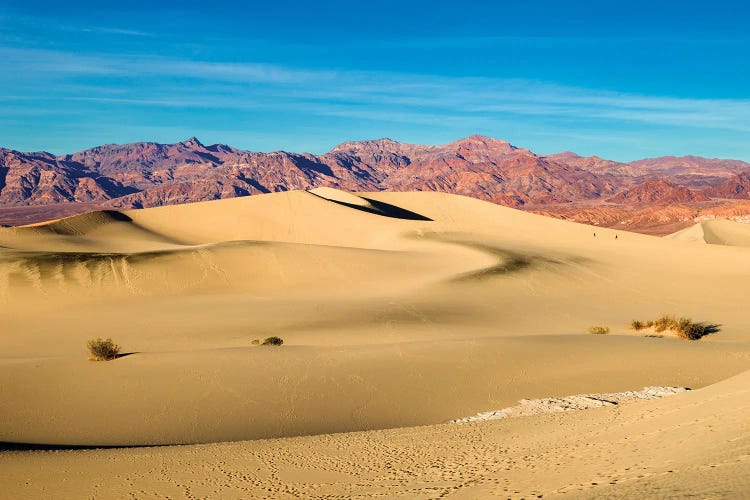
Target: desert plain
{"type": "Point", "coordinates": [399, 313]}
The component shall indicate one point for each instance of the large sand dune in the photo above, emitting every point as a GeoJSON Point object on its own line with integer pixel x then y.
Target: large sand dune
{"type": "Point", "coordinates": [694, 445]}
{"type": "Point", "coordinates": [397, 309]}
{"type": "Point", "coordinates": [716, 232]}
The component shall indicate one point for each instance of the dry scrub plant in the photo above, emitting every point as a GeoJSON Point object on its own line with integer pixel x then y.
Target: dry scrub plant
{"type": "Point", "coordinates": [102, 350]}
{"type": "Point", "coordinates": [276, 341]}
{"type": "Point", "coordinates": [685, 328]}
{"type": "Point", "coordinates": [598, 330]}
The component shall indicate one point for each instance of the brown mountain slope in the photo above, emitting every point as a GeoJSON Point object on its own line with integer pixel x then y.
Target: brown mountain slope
{"type": "Point", "coordinates": [39, 179]}
{"type": "Point", "coordinates": [37, 186]}
{"type": "Point", "coordinates": [594, 164]}
{"type": "Point", "coordinates": [150, 174]}
{"type": "Point", "coordinates": [477, 166]}
{"type": "Point", "coordinates": [693, 172]}
{"type": "Point", "coordinates": [657, 219]}
{"type": "Point", "coordinates": [657, 191]}
{"type": "Point", "coordinates": [737, 187]}
{"type": "Point", "coordinates": [691, 164]}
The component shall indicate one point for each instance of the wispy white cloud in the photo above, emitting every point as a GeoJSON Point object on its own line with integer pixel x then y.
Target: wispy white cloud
{"type": "Point", "coordinates": [60, 63]}
{"type": "Point", "coordinates": [112, 31]}
{"type": "Point", "coordinates": [12, 22]}
{"type": "Point", "coordinates": [570, 40]}
{"type": "Point", "coordinates": [398, 97]}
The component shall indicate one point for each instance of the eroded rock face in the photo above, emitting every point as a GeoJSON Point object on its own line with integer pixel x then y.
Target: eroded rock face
{"type": "Point", "coordinates": [657, 191]}
{"type": "Point", "coordinates": [736, 187]}
{"type": "Point", "coordinates": [149, 174]}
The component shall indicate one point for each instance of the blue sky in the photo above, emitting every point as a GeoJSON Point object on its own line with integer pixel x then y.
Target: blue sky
{"type": "Point", "coordinates": [623, 80]}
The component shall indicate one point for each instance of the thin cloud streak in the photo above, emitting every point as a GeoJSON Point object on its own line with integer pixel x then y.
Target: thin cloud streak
{"type": "Point", "coordinates": [113, 31]}
{"type": "Point", "coordinates": [400, 97]}
{"type": "Point", "coordinates": [11, 22]}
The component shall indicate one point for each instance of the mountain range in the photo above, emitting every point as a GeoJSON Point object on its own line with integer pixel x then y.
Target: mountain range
{"type": "Point", "coordinates": [651, 195]}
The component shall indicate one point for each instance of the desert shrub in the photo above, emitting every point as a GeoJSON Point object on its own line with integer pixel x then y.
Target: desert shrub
{"type": "Point", "coordinates": [665, 323]}
{"type": "Point", "coordinates": [273, 341]}
{"type": "Point", "coordinates": [685, 328]}
{"type": "Point", "coordinates": [598, 330]}
{"type": "Point", "coordinates": [690, 330]}
{"type": "Point", "coordinates": [102, 350]}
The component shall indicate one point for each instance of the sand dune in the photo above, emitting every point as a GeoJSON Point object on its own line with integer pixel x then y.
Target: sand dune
{"type": "Point", "coordinates": [576, 402]}
{"type": "Point", "coordinates": [716, 232]}
{"type": "Point", "coordinates": [189, 287]}
{"type": "Point", "coordinates": [689, 445]}
{"type": "Point", "coordinates": [396, 309]}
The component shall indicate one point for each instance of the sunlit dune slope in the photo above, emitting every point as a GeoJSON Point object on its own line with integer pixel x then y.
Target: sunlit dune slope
{"type": "Point", "coordinates": [691, 445]}
{"type": "Point", "coordinates": [716, 232]}
{"type": "Point", "coordinates": [396, 309]}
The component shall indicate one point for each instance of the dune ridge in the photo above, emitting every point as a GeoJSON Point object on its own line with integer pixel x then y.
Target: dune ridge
{"type": "Point", "coordinates": [716, 232]}
{"type": "Point", "coordinates": [442, 307]}
{"type": "Point", "coordinates": [692, 444]}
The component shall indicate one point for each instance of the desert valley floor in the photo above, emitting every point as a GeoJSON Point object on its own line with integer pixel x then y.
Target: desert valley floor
{"type": "Point", "coordinates": [399, 312]}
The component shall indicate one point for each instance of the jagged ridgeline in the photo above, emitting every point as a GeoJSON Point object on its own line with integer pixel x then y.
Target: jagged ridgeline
{"type": "Point", "coordinates": [41, 186]}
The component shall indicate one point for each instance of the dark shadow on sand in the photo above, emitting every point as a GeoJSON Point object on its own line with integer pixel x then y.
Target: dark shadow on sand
{"type": "Point", "coordinates": [49, 447]}
{"type": "Point", "coordinates": [389, 210]}
{"type": "Point", "coordinates": [9, 446]}
{"type": "Point", "coordinates": [124, 354]}
{"type": "Point", "coordinates": [710, 329]}
{"type": "Point", "coordinates": [380, 208]}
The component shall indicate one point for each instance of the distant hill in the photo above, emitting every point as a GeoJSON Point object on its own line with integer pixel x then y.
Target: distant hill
{"type": "Point", "coordinates": [148, 174]}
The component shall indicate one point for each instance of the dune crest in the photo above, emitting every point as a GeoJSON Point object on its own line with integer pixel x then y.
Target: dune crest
{"type": "Point", "coordinates": [716, 232]}
{"type": "Point", "coordinates": [395, 309]}
{"type": "Point", "coordinates": [336, 195]}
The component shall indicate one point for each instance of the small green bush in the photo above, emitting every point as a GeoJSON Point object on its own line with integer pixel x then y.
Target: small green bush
{"type": "Point", "coordinates": [103, 350]}
{"type": "Point", "coordinates": [598, 330]}
{"type": "Point", "coordinates": [276, 341]}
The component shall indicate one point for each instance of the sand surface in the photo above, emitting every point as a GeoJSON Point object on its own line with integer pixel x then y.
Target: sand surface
{"type": "Point", "coordinates": [695, 444]}
{"type": "Point", "coordinates": [576, 402]}
{"type": "Point", "coordinates": [716, 232]}
{"type": "Point", "coordinates": [397, 310]}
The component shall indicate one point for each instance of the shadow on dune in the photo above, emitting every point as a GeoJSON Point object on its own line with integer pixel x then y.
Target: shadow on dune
{"type": "Point", "coordinates": [379, 208]}
{"type": "Point", "coordinates": [38, 267]}
{"type": "Point", "coordinates": [712, 328]}
{"type": "Point", "coordinates": [118, 216]}
{"type": "Point", "coordinates": [8, 446]}
{"type": "Point", "coordinates": [88, 221]}
{"type": "Point", "coordinates": [382, 314]}
{"type": "Point", "coordinates": [125, 354]}
{"type": "Point", "coordinates": [709, 329]}
{"type": "Point", "coordinates": [509, 262]}
{"type": "Point", "coordinates": [389, 210]}
{"type": "Point", "coordinates": [47, 447]}
{"type": "Point", "coordinates": [50, 259]}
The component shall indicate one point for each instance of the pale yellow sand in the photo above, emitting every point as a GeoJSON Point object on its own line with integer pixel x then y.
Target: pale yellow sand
{"type": "Point", "coordinates": [403, 309]}
{"type": "Point", "coordinates": [716, 232]}
{"type": "Point", "coordinates": [693, 445]}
